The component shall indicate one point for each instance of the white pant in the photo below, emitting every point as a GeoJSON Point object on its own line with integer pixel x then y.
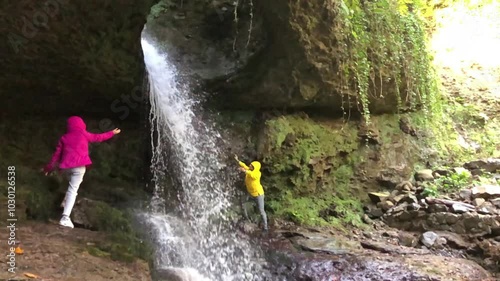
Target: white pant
{"type": "Point", "coordinates": [75, 177]}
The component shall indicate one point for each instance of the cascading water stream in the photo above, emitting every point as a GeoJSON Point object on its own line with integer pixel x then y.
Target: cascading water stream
{"type": "Point", "coordinates": [196, 233]}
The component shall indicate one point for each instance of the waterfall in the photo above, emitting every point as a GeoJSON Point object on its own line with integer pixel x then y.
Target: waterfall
{"type": "Point", "coordinates": [195, 234]}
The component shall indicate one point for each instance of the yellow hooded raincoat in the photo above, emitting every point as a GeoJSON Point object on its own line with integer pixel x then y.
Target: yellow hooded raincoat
{"type": "Point", "coordinates": [252, 179]}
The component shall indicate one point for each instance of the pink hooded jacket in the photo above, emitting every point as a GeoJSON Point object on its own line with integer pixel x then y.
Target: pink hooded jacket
{"type": "Point", "coordinates": [73, 147]}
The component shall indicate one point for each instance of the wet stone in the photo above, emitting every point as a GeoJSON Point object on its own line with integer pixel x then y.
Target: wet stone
{"type": "Point", "coordinates": [436, 208]}
{"type": "Point", "coordinates": [386, 205]}
{"type": "Point", "coordinates": [451, 218]}
{"type": "Point", "coordinates": [465, 194]}
{"type": "Point", "coordinates": [486, 191]}
{"type": "Point", "coordinates": [413, 207]}
{"type": "Point", "coordinates": [459, 208]}
{"type": "Point", "coordinates": [410, 199]}
{"type": "Point", "coordinates": [487, 208]}
{"type": "Point", "coordinates": [496, 202]}
{"type": "Point", "coordinates": [478, 201]}
{"type": "Point", "coordinates": [407, 239]}
{"type": "Point", "coordinates": [429, 238]}
{"type": "Point", "coordinates": [375, 213]}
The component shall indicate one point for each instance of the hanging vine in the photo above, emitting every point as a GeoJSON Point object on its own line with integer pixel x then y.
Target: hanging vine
{"type": "Point", "coordinates": [236, 25]}
{"type": "Point", "coordinates": [251, 23]}
{"type": "Point", "coordinates": [384, 43]}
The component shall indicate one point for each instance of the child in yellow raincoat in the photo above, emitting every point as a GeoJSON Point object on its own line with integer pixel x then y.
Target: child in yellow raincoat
{"type": "Point", "coordinates": [254, 187]}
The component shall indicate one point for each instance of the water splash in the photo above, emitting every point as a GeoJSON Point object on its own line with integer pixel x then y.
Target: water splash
{"type": "Point", "coordinates": [196, 233]}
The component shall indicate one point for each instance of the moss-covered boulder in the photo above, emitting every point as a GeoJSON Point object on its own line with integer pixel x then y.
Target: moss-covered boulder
{"type": "Point", "coordinates": [124, 242]}
{"type": "Point", "coordinates": [319, 171]}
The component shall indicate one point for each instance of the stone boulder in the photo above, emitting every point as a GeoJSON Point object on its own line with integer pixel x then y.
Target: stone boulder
{"type": "Point", "coordinates": [81, 213]}
{"type": "Point", "coordinates": [429, 238]}
{"type": "Point", "coordinates": [377, 197]}
{"type": "Point", "coordinates": [424, 175]}
{"type": "Point", "coordinates": [98, 215]}
{"type": "Point", "coordinates": [489, 165]}
{"type": "Point", "coordinates": [486, 191]}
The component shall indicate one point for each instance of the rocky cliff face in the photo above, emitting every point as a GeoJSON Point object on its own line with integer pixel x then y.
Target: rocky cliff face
{"type": "Point", "coordinates": [69, 56]}
{"type": "Point", "coordinates": [75, 56]}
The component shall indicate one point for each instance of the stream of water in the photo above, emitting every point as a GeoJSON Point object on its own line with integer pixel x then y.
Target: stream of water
{"type": "Point", "coordinates": [194, 235]}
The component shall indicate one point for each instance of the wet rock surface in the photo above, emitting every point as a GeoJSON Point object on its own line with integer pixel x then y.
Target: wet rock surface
{"type": "Point", "coordinates": [379, 257]}
{"type": "Point", "coordinates": [203, 39]}
{"type": "Point", "coordinates": [81, 54]}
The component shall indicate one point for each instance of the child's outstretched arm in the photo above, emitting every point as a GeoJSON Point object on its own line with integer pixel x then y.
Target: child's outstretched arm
{"type": "Point", "coordinates": [242, 165]}
{"type": "Point", "coordinates": [102, 137]}
{"type": "Point", "coordinates": [55, 158]}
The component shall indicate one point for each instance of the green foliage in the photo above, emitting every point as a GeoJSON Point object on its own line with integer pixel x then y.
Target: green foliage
{"type": "Point", "coordinates": [96, 252]}
{"type": "Point", "coordinates": [160, 8]}
{"type": "Point", "coordinates": [448, 184]}
{"type": "Point", "coordinates": [384, 43]}
{"type": "Point", "coordinates": [458, 131]}
{"type": "Point", "coordinates": [124, 242]}
{"type": "Point", "coordinates": [453, 182]}
{"type": "Point", "coordinates": [317, 211]}
{"type": "Point", "coordinates": [311, 166]}
{"type": "Point", "coordinates": [430, 191]}
{"type": "Point", "coordinates": [301, 210]}
{"type": "Point", "coordinates": [37, 202]}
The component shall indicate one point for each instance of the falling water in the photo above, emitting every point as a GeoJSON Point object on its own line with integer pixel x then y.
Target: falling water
{"type": "Point", "coordinates": [195, 232]}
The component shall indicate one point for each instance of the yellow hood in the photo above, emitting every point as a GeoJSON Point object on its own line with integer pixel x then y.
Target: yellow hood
{"type": "Point", "coordinates": [256, 165]}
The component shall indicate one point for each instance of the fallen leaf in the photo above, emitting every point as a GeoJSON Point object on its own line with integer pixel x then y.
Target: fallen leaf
{"type": "Point", "coordinates": [19, 251]}
{"type": "Point", "coordinates": [31, 275]}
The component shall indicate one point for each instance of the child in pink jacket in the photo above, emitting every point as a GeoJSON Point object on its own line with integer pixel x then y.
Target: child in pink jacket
{"type": "Point", "coordinates": [72, 154]}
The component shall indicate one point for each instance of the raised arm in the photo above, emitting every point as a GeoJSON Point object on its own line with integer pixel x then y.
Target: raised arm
{"type": "Point", "coordinates": [243, 165]}
{"type": "Point", "coordinates": [55, 158]}
{"type": "Point", "coordinates": [101, 137]}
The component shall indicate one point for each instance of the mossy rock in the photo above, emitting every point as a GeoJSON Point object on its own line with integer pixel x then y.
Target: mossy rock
{"type": "Point", "coordinates": [124, 242]}
{"type": "Point", "coordinates": [319, 171]}
{"type": "Point", "coordinates": [308, 168]}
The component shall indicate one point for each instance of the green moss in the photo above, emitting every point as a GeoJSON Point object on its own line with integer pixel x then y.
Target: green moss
{"type": "Point", "coordinates": [160, 8]}
{"type": "Point", "coordinates": [124, 243]}
{"type": "Point", "coordinates": [311, 165]}
{"type": "Point", "coordinates": [458, 132]}
{"type": "Point", "coordinates": [94, 251]}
